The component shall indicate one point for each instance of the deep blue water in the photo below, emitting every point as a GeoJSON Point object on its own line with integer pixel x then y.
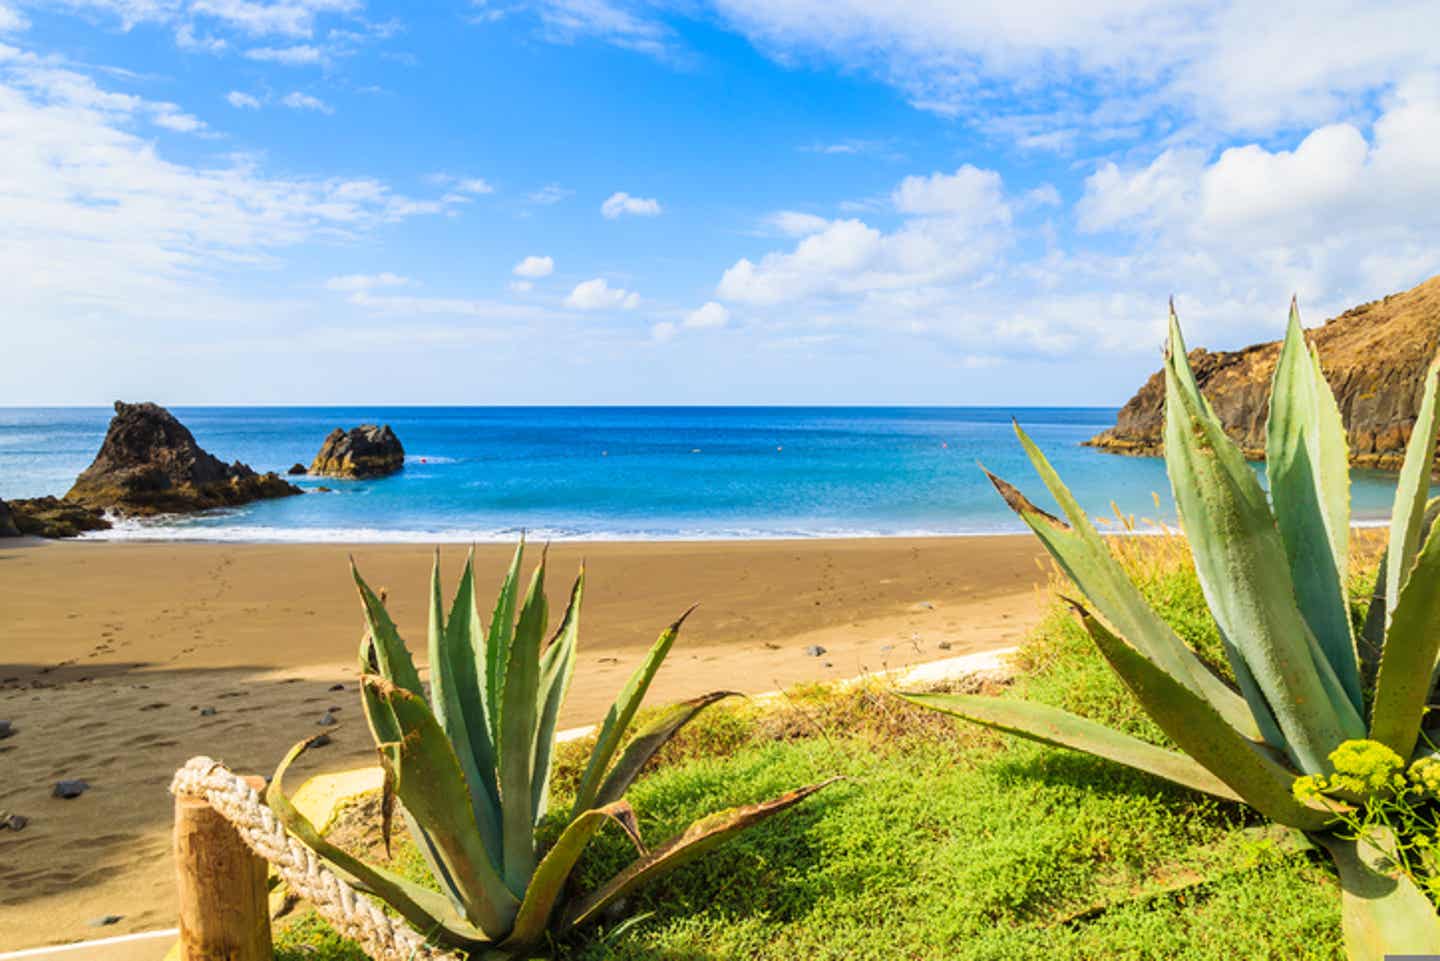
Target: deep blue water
{"type": "Point", "coordinates": [690, 472]}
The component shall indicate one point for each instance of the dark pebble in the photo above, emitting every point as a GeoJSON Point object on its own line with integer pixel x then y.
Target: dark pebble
{"type": "Point", "coordinates": [337, 687]}
{"type": "Point", "coordinates": [944, 645]}
{"type": "Point", "coordinates": [327, 720]}
{"type": "Point", "coordinates": [15, 822]}
{"type": "Point", "coordinates": [207, 712]}
{"type": "Point", "coordinates": [320, 741]}
{"type": "Point", "coordinates": [105, 921]}
{"type": "Point", "coordinates": [814, 650]}
{"type": "Point", "coordinates": [6, 729]}
{"type": "Point", "coordinates": [69, 789]}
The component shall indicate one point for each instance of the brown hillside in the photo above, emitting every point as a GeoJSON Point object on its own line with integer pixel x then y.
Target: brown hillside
{"type": "Point", "coordinates": [1374, 356]}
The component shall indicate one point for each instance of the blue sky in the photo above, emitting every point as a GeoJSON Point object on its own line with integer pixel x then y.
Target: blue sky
{"type": "Point", "coordinates": [735, 201]}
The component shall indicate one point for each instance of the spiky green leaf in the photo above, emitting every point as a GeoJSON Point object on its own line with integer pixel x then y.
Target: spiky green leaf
{"type": "Point", "coordinates": [1087, 560]}
{"type": "Point", "coordinates": [1199, 730]}
{"type": "Point", "coordinates": [1408, 658]}
{"type": "Point", "coordinates": [519, 716]}
{"type": "Point", "coordinates": [554, 870]}
{"type": "Point", "coordinates": [698, 838]}
{"type": "Point", "coordinates": [1383, 914]}
{"type": "Point", "coordinates": [651, 738]}
{"type": "Point", "coordinates": [430, 784]}
{"type": "Point", "coordinates": [1308, 467]}
{"type": "Point", "coordinates": [497, 641]}
{"type": "Point", "coordinates": [389, 652]}
{"type": "Point", "coordinates": [621, 713]}
{"type": "Point", "coordinates": [425, 909]}
{"type": "Point", "coordinates": [1242, 567]}
{"type": "Point", "coordinates": [1049, 725]}
{"type": "Point", "coordinates": [557, 666]}
{"type": "Point", "coordinates": [1413, 489]}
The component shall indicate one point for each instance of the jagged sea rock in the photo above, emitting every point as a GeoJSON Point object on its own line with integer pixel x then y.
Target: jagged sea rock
{"type": "Point", "coordinates": [1374, 357]}
{"type": "Point", "coordinates": [53, 517]}
{"type": "Point", "coordinates": [7, 521]}
{"type": "Point", "coordinates": [150, 463]}
{"type": "Point", "coordinates": [297, 469]}
{"type": "Point", "coordinates": [364, 451]}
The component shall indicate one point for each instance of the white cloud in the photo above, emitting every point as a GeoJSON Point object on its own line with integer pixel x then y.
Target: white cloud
{"type": "Point", "coordinates": [708, 315]}
{"type": "Point", "coordinates": [794, 223]}
{"type": "Point", "coordinates": [621, 203]}
{"type": "Point", "coordinates": [12, 20]}
{"type": "Point", "coordinates": [534, 267]}
{"type": "Point", "coordinates": [242, 101]}
{"type": "Point", "coordinates": [566, 21]}
{"type": "Point", "coordinates": [292, 18]}
{"type": "Point", "coordinates": [474, 185]}
{"type": "Point", "coordinates": [955, 225]}
{"type": "Point", "coordinates": [87, 191]}
{"type": "Point", "coordinates": [549, 194]}
{"type": "Point", "coordinates": [353, 282]}
{"type": "Point", "coordinates": [597, 294]}
{"type": "Point", "coordinates": [1231, 63]}
{"type": "Point", "coordinates": [969, 193]}
{"type": "Point", "coordinates": [664, 331]}
{"type": "Point", "coordinates": [297, 100]}
{"type": "Point", "coordinates": [294, 56]}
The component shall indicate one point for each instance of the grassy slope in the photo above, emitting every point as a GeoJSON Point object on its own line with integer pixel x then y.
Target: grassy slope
{"type": "Point", "coordinates": [948, 841]}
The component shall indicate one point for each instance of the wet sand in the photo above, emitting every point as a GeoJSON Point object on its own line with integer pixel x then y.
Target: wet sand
{"type": "Point", "coordinates": [110, 651]}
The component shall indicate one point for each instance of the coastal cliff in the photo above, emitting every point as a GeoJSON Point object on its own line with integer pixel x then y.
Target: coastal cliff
{"type": "Point", "coordinates": [1374, 357]}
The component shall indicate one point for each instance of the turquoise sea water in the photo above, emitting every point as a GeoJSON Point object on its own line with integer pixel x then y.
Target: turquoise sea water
{"type": "Point", "coordinates": [630, 473]}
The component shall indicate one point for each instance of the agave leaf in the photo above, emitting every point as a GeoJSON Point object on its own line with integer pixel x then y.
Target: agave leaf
{"type": "Point", "coordinates": [557, 666]}
{"type": "Point", "coordinates": [426, 910]}
{"type": "Point", "coordinates": [519, 716]}
{"type": "Point", "coordinates": [554, 870]}
{"type": "Point", "coordinates": [698, 838]}
{"type": "Point", "coordinates": [455, 701]}
{"type": "Point", "coordinates": [389, 653]}
{"type": "Point", "coordinates": [1087, 560]}
{"type": "Point", "coordinates": [621, 713]}
{"type": "Point", "coordinates": [1198, 730]}
{"type": "Point", "coordinates": [1383, 914]}
{"type": "Point", "coordinates": [649, 739]}
{"type": "Point", "coordinates": [497, 643]}
{"type": "Point", "coordinates": [1049, 725]}
{"type": "Point", "coordinates": [1412, 490]}
{"type": "Point", "coordinates": [1242, 567]}
{"type": "Point", "coordinates": [430, 784]}
{"type": "Point", "coordinates": [1372, 634]}
{"type": "Point", "coordinates": [1409, 655]}
{"type": "Point", "coordinates": [1308, 466]}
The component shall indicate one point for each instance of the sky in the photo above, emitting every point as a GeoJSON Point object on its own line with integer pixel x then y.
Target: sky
{"type": "Point", "coordinates": [692, 201]}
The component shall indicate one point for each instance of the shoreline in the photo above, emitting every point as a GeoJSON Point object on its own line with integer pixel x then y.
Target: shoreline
{"type": "Point", "coordinates": [113, 648]}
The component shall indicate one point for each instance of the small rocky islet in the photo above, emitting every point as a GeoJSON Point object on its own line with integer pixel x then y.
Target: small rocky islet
{"type": "Point", "coordinates": [150, 463]}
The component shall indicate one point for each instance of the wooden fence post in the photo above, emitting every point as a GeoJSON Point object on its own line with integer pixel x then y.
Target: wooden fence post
{"type": "Point", "coordinates": [224, 910]}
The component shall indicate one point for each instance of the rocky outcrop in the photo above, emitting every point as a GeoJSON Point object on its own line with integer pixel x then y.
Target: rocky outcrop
{"type": "Point", "coordinates": [364, 451]}
{"type": "Point", "coordinates": [53, 517]}
{"type": "Point", "coordinates": [7, 522]}
{"type": "Point", "coordinates": [1374, 357]}
{"type": "Point", "coordinates": [150, 463]}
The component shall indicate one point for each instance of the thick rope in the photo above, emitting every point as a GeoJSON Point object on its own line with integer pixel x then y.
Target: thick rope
{"type": "Point", "coordinates": [353, 915]}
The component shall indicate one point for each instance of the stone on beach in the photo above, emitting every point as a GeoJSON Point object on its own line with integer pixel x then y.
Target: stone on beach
{"type": "Point", "coordinates": [814, 650]}
{"type": "Point", "coordinates": [69, 789]}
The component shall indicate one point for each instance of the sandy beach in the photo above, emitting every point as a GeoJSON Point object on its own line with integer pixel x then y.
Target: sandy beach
{"type": "Point", "coordinates": [110, 652]}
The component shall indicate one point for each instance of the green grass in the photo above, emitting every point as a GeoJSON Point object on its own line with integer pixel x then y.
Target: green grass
{"type": "Point", "coordinates": [946, 840]}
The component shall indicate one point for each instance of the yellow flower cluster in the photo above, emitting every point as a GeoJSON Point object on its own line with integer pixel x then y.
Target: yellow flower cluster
{"type": "Point", "coordinates": [1368, 768]}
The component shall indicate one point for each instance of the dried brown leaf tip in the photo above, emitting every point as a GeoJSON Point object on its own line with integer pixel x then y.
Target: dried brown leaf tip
{"type": "Point", "coordinates": [1021, 504]}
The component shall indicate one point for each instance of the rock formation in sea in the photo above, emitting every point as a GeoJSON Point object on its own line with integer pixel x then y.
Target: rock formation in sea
{"type": "Point", "coordinates": [53, 517]}
{"type": "Point", "coordinates": [364, 451]}
{"type": "Point", "coordinates": [150, 463]}
{"type": "Point", "coordinates": [1374, 357]}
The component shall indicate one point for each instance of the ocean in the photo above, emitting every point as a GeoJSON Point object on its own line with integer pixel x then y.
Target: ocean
{"type": "Point", "coordinates": [637, 473]}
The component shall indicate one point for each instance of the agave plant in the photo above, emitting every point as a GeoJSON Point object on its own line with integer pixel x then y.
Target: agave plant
{"type": "Point", "coordinates": [470, 765]}
{"type": "Point", "coordinates": [1273, 572]}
